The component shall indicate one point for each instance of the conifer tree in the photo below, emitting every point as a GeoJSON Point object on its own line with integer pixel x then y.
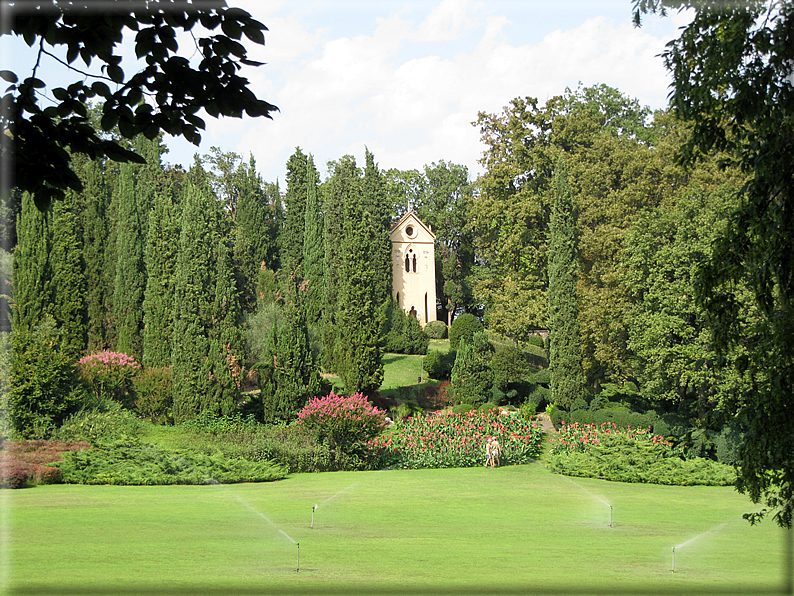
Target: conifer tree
{"type": "Point", "coordinates": [31, 266]}
{"type": "Point", "coordinates": [67, 285]}
{"type": "Point", "coordinates": [160, 255]}
{"type": "Point", "coordinates": [207, 340]}
{"type": "Point", "coordinates": [565, 352]}
{"type": "Point", "coordinates": [227, 340]}
{"type": "Point", "coordinates": [130, 280]}
{"type": "Point", "coordinates": [289, 375]}
{"type": "Point", "coordinates": [291, 239]}
{"type": "Point", "coordinates": [313, 247]}
{"type": "Point", "coordinates": [343, 183]}
{"type": "Point", "coordinates": [472, 377]}
{"type": "Point", "coordinates": [95, 244]}
{"type": "Point", "coordinates": [256, 228]}
{"type": "Point", "coordinates": [360, 324]}
{"type": "Point", "coordinates": [377, 211]}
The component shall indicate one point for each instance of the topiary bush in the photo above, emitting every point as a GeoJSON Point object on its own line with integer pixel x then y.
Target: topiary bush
{"type": "Point", "coordinates": [436, 330]}
{"type": "Point", "coordinates": [463, 327]}
{"type": "Point", "coordinates": [462, 408]}
{"type": "Point", "coordinates": [438, 365]}
{"type": "Point", "coordinates": [488, 406]}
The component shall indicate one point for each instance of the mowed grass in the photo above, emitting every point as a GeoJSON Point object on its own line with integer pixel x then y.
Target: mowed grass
{"type": "Point", "coordinates": [516, 529]}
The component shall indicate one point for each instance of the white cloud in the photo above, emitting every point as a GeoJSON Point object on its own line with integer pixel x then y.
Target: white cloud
{"type": "Point", "coordinates": [410, 91]}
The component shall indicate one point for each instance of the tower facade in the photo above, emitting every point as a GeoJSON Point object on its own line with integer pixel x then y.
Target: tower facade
{"type": "Point", "coordinates": [414, 267]}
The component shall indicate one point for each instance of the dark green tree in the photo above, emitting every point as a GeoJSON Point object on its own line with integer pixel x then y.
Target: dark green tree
{"type": "Point", "coordinates": [313, 248]}
{"type": "Point", "coordinates": [289, 376]}
{"type": "Point", "coordinates": [565, 349]}
{"type": "Point", "coordinates": [31, 268]}
{"type": "Point", "coordinates": [340, 188]}
{"type": "Point", "coordinates": [291, 238]}
{"type": "Point", "coordinates": [472, 377]}
{"type": "Point", "coordinates": [377, 210]}
{"type": "Point", "coordinates": [130, 281]}
{"type": "Point", "coordinates": [359, 351]}
{"type": "Point", "coordinates": [160, 256]}
{"type": "Point", "coordinates": [194, 358]}
{"type": "Point", "coordinates": [67, 304]}
{"type": "Point", "coordinates": [96, 199]}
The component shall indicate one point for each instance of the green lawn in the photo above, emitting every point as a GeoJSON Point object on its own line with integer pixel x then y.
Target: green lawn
{"type": "Point", "coordinates": [516, 530]}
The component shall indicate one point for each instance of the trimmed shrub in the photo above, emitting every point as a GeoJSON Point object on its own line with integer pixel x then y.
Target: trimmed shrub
{"type": "Point", "coordinates": [438, 365]}
{"type": "Point", "coordinates": [436, 330]}
{"type": "Point", "coordinates": [130, 462]}
{"type": "Point", "coordinates": [578, 404]}
{"type": "Point", "coordinates": [342, 421]}
{"type": "Point", "coordinates": [631, 456]}
{"type": "Point", "coordinates": [107, 420]}
{"type": "Point", "coordinates": [558, 417]}
{"type": "Point", "coordinates": [463, 327]}
{"type": "Point", "coordinates": [463, 408]}
{"type": "Point", "coordinates": [528, 410]}
{"type": "Point", "coordinates": [472, 377]}
{"type": "Point", "coordinates": [580, 417]}
{"type": "Point", "coordinates": [488, 406]}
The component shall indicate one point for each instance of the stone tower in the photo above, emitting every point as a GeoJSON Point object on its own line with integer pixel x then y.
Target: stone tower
{"type": "Point", "coordinates": [414, 267]}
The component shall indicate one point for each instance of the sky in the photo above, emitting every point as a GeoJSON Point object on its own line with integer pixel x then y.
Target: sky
{"type": "Point", "coordinates": [407, 78]}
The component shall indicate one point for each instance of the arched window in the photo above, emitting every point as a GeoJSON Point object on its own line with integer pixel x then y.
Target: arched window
{"type": "Point", "coordinates": [414, 263]}
{"type": "Point", "coordinates": [397, 299]}
{"type": "Point", "coordinates": [407, 263]}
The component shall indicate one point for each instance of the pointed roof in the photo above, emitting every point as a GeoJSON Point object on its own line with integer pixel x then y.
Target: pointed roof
{"type": "Point", "coordinates": [415, 219]}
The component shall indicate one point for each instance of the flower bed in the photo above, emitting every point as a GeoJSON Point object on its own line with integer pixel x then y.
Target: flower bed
{"type": "Point", "coordinates": [580, 438]}
{"type": "Point", "coordinates": [447, 440]}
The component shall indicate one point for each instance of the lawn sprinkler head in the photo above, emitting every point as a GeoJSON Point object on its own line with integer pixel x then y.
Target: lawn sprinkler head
{"type": "Point", "coordinates": [313, 510]}
{"type": "Point", "coordinates": [298, 568]}
{"type": "Point", "coordinates": [610, 516]}
{"type": "Point", "coordinates": [672, 570]}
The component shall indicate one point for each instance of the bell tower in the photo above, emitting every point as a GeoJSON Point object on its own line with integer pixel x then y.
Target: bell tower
{"type": "Point", "coordinates": [414, 267]}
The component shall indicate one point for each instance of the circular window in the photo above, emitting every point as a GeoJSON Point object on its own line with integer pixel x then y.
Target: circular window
{"type": "Point", "coordinates": [410, 231]}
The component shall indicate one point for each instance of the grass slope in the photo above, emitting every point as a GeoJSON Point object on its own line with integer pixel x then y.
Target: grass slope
{"type": "Point", "coordinates": [512, 530]}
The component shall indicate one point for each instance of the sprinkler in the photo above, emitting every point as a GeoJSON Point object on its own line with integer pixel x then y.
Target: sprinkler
{"type": "Point", "coordinates": [610, 516]}
{"type": "Point", "coordinates": [672, 570]}
{"type": "Point", "coordinates": [298, 568]}
{"type": "Point", "coordinates": [313, 510]}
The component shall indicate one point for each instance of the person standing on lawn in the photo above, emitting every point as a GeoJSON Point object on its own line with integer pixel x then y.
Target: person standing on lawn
{"type": "Point", "coordinates": [488, 454]}
{"type": "Point", "coordinates": [495, 449]}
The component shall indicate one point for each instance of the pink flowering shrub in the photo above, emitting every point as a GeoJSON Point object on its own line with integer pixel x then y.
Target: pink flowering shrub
{"type": "Point", "coordinates": [447, 440]}
{"type": "Point", "coordinates": [342, 421]}
{"type": "Point", "coordinates": [109, 374]}
{"type": "Point", "coordinates": [578, 438]}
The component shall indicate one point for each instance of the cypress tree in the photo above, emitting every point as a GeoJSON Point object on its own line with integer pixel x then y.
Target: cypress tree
{"type": "Point", "coordinates": [226, 336]}
{"type": "Point", "coordinates": [565, 352]}
{"type": "Point", "coordinates": [289, 376]}
{"type": "Point", "coordinates": [130, 273]}
{"type": "Point", "coordinates": [291, 239]}
{"type": "Point", "coordinates": [190, 374]}
{"type": "Point", "coordinates": [68, 281]}
{"type": "Point", "coordinates": [377, 211]}
{"type": "Point", "coordinates": [472, 377]}
{"type": "Point", "coordinates": [343, 183]}
{"type": "Point", "coordinates": [256, 231]}
{"type": "Point", "coordinates": [359, 350]}
{"type": "Point", "coordinates": [31, 267]}
{"type": "Point", "coordinates": [95, 244]}
{"type": "Point", "coordinates": [313, 247]}
{"type": "Point", "coordinates": [160, 255]}
{"type": "Point", "coordinates": [207, 341]}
